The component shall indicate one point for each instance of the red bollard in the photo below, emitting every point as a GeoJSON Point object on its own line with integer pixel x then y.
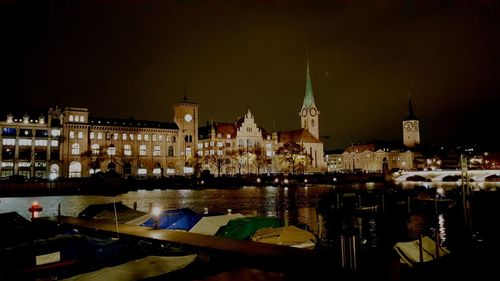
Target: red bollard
{"type": "Point", "coordinates": [35, 208]}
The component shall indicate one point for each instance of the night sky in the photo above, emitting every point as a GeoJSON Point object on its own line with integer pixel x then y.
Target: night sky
{"type": "Point", "coordinates": [137, 58]}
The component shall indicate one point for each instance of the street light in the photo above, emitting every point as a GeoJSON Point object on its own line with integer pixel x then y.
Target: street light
{"type": "Point", "coordinates": [156, 216]}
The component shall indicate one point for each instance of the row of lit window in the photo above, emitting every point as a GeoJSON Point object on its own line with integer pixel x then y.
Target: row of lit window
{"type": "Point", "coordinates": [127, 150]}
{"type": "Point", "coordinates": [75, 170]}
{"type": "Point", "coordinates": [29, 142]}
{"type": "Point", "coordinates": [76, 118]}
{"type": "Point", "coordinates": [115, 136]}
{"type": "Point", "coordinates": [23, 164]}
{"type": "Point", "coordinates": [269, 153]}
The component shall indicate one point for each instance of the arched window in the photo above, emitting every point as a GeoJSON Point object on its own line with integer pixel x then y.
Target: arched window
{"type": "Point", "coordinates": [92, 135]}
{"type": "Point", "coordinates": [80, 135]}
{"type": "Point", "coordinates": [54, 171]}
{"type": "Point", "coordinates": [142, 172]}
{"type": "Point", "coordinates": [170, 151]}
{"type": "Point", "coordinates": [95, 149]}
{"type": "Point", "coordinates": [146, 137]}
{"type": "Point", "coordinates": [111, 150]}
{"type": "Point", "coordinates": [142, 150]}
{"type": "Point", "coordinates": [156, 150]}
{"type": "Point", "coordinates": [75, 170]}
{"type": "Point", "coordinates": [127, 150]}
{"type": "Point", "coordinates": [75, 149]}
{"type": "Point", "coordinates": [312, 123]}
{"type": "Point", "coordinates": [157, 170]}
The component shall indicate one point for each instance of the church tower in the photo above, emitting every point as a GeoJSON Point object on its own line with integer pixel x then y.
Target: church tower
{"type": "Point", "coordinates": [186, 118]}
{"type": "Point", "coordinates": [411, 129]}
{"type": "Point", "coordinates": [309, 114]}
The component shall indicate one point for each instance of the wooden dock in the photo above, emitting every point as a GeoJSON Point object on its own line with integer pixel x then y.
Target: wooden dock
{"type": "Point", "coordinates": [191, 240]}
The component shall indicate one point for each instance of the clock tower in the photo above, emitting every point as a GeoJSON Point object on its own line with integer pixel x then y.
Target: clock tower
{"type": "Point", "coordinates": [411, 129]}
{"type": "Point", "coordinates": [186, 118]}
{"type": "Point", "coordinates": [309, 114]}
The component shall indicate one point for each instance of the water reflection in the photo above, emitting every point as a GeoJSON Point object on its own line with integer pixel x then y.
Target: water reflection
{"type": "Point", "coordinates": [442, 229]}
{"type": "Point", "coordinates": [325, 209]}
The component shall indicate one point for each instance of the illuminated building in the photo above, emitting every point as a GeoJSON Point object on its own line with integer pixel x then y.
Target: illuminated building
{"type": "Point", "coordinates": [72, 144]}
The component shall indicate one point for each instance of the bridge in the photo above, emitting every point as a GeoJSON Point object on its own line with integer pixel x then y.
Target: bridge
{"type": "Point", "coordinates": [447, 175]}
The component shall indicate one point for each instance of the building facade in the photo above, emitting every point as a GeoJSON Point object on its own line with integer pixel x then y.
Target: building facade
{"type": "Point", "coordinates": [72, 144]}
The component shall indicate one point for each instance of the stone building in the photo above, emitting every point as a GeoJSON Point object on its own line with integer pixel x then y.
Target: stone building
{"type": "Point", "coordinates": [72, 144]}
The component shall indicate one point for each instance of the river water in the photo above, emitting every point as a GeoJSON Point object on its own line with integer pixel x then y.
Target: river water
{"type": "Point", "coordinates": [380, 217]}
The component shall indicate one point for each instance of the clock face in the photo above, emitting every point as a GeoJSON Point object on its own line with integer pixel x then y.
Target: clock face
{"type": "Point", "coordinates": [304, 112]}
{"type": "Point", "coordinates": [407, 126]}
{"type": "Point", "coordinates": [188, 117]}
{"type": "Point", "coordinates": [313, 111]}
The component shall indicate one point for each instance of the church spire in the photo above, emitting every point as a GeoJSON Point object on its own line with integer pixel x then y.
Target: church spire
{"type": "Point", "coordinates": [308, 98]}
{"type": "Point", "coordinates": [411, 114]}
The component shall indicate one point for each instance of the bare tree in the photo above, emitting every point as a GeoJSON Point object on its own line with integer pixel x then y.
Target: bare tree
{"type": "Point", "coordinates": [293, 154]}
{"type": "Point", "coordinates": [260, 159]}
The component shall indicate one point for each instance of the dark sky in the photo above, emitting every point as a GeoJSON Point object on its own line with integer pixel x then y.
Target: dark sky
{"type": "Point", "coordinates": [137, 58]}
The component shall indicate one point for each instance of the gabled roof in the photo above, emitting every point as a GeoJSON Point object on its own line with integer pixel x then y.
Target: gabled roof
{"type": "Point", "coordinates": [225, 129]}
{"type": "Point", "coordinates": [297, 136]}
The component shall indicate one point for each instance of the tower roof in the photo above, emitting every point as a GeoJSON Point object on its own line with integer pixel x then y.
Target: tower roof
{"type": "Point", "coordinates": [308, 97]}
{"type": "Point", "coordinates": [411, 114]}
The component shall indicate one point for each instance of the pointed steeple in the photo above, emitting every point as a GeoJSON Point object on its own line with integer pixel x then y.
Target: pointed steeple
{"type": "Point", "coordinates": [212, 129]}
{"type": "Point", "coordinates": [411, 114]}
{"type": "Point", "coordinates": [308, 98]}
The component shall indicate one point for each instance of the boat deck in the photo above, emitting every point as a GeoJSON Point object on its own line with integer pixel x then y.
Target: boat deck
{"type": "Point", "coordinates": [192, 240]}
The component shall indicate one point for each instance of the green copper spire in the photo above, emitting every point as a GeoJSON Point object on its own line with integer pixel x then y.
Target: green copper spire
{"type": "Point", "coordinates": [308, 98]}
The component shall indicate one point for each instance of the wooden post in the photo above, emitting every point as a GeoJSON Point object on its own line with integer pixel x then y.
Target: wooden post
{"type": "Point", "coordinates": [420, 250]}
{"type": "Point", "coordinates": [135, 206]}
{"type": "Point", "coordinates": [59, 209]}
